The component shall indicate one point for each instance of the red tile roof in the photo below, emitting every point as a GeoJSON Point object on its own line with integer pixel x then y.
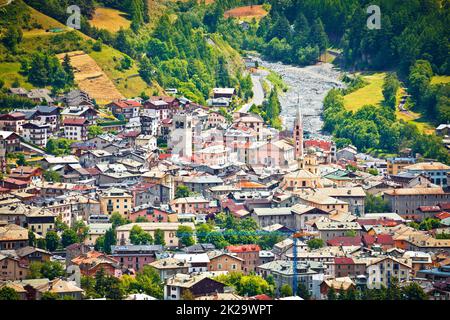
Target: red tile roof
{"type": "Point", "coordinates": [164, 156]}
{"type": "Point", "coordinates": [125, 104]}
{"type": "Point", "coordinates": [344, 241]}
{"type": "Point", "coordinates": [16, 181]}
{"type": "Point", "coordinates": [261, 297]}
{"type": "Point", "coordinates": [382, 239]}
{"type": "Point", "coordinates": [244, 248]}
{"type": "Point", "coordinates": [74, 121]}
{"type": "Point", "coordinates": [429, 208]}
{"type": "Point", "coordinates": [343, 260]}
{"type": "Point", "coordinates": [322, 144]}
{"type": "Point", "coordinates": [442, 215]}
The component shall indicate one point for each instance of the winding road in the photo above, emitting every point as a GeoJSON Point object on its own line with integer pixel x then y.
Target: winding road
{"type": "Point", "coordinates": [258, 91]}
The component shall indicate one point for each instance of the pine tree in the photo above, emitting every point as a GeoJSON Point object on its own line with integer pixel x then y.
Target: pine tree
{"type": "Point", "coordinates": [331, 294]}
{"type": "Point", "coordinates": [318, 35]}
{"type": "Point", "coordinates": [70, 77]}
{"type": "Point", "coordinates": [137, 14]}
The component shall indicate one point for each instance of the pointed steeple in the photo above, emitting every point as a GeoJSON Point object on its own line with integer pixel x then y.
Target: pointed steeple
{"type": "Point", "coordinates": [298, 134]}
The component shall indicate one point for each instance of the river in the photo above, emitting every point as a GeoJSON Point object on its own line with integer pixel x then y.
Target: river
{"type": "Point", "coordinates": [308, 87]}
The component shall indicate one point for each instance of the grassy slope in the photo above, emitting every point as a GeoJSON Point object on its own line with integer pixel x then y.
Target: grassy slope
{"type": "Point", "coordinates": [372, 94]}
{"type": "Point", "coordinates": [128, 82]}
{"type": "Point", "coordinates": [110, 19]}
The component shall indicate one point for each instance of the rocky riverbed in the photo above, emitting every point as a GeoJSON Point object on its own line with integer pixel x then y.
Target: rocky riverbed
{"type": "Point", "coordinates": [308, 87]}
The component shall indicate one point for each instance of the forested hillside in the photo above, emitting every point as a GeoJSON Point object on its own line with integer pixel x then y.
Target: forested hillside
{"type": "Point", "coordinates": [175, 49]}
{"type": "Point", "coordinates": [412, 46]}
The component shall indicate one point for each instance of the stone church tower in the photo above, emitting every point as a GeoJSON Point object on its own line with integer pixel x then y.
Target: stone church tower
{"type": "Point", "coordinates": [298, 135]}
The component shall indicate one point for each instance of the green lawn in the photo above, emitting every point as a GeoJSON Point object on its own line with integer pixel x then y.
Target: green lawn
{"type": "Point", "coordinates": [128, 82]}
{"type": "Point", "coordinates": [370, 94]}
{"type": "Point", "coordinates": [9, 72]}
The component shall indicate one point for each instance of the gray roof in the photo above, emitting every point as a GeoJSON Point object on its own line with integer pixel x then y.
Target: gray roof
{"type": "Point", "coordinates": [134, 248]}
{"type": "Point", "coordinates": [286, 267]}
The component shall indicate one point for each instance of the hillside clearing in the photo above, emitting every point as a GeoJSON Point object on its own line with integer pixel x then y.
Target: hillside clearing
{"type": "Point", "coordinates": [110, 19]}
{"type": "Point", "coordinates": [370, 94]}
{"type": "Point", "coordinates": [10, 71]}
{"type": "Point", "coordinates": [247, 12]}
{"type": "Point", "coordinates": [91, 78]}
{"type": "Point", "coordinates": [127, 82]}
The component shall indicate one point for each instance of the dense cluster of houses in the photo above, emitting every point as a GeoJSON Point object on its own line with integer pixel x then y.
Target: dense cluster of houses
{"type": "Point", "coordinates": [147, 150]}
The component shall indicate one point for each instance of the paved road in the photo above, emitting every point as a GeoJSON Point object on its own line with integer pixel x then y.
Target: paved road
{"type": "Point", "coordinates": [258, 92]}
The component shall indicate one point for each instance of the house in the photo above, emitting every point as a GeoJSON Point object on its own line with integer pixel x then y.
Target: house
{"type": "Point", "coordinates": [51, 161]}
{"type": "Point", "coordinates": [93, 157]}
{"type": "Point", "coordinates": [330, 229]}
{"type": "Point", "coordinates": [36, 133]}
{"type": "Point", "coordinates": [77, 98]}
{"type": "Point", "coordinates": [251, 121]}
{"type": "Point", "coordinates": [85, 112]}
{"type": "Point", "coordinates": [14, 184]}
{"type": "Point", "coordinates": [436, 274]}
{"type": "Point", "coordinates": [197, 205]}
{"type": "Point", "coordinates": [92, 261]}
{"type": "Point", "coordinates": [419, 260]}
{"type": "Point", "coordinates": [27, 173]}
{"type": "Point", "coordinates": [406, 201]}
{"type": "Point", "coordinates": [223, 93]}
{"type": "Point", "coordinates": [197, 262]}
{"type": "Point", "coordinates": [33, 289]}
{"type": "Point", "coordinates": [47, 115]}
{"type": "Point", "coordinates": [437, 171]}
{"type": "Point", "coordinates": [168, 228]}
{"type": "Point", "coordinates": [380, 271]}
{"type": "Point", "coordinates": [354, 196]}
{"type": "Point", "coordinates": [16, 287]}
{"type": "Point", "coordinates": [223, 261]}
{"type": "Point", "coordinates": [249, 253]}
{"type": "Point", "coordinates": [127, 108]}
{"type": "Point", "coordinates": [198, 285]}
{"type": "Point", "coordinates": [199, 183]}
{"type": "Point", "coordinates": [443, 130]}
{"type": "Point", "coordinates": [339, 283]}
{"type": "Point", "coordinates": [40, 220]}
{"type": "Point", "coordinates": [149, 123]}
{"type": "Point", "coordinates": [12, 122]}
{"type": "Point", "coordinates": [135, 256]}
{"type": "Point", "coordinates": [31, 254]}
{"type": "Point", "coordinates": [153, 214]}
{"type": "Point", "coordinates": [40, 95]}
{"type": "Point", "coordinates": [348, 153]}
{"type": "Point", "coordinates": [115, 200]}
{"type": "Point", "coordinates": [11, 141]}
{"type": "Point", "coordinates": [169, 267]}
{"type": "Point", "coordinates": [347, 267]}
{"type": "Point", "coordinates": [215, 119]}
{"type": "Point", "coordinates": [96, 230]}
{"type": "Point", "coordinates": [396, 165]}
{"type": "Point", "coordinates": [322, 202]}
{"type": "Point", "coordinates": [12, 267]}
{"type": "Point", "coordinates": [76, 128]}
{"type": "Point", "coordinates": [161, 107]}
{"type": "Point", "coordinates": [13, 237]}
{"type": "Point", "coordinates": [283, 273]}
